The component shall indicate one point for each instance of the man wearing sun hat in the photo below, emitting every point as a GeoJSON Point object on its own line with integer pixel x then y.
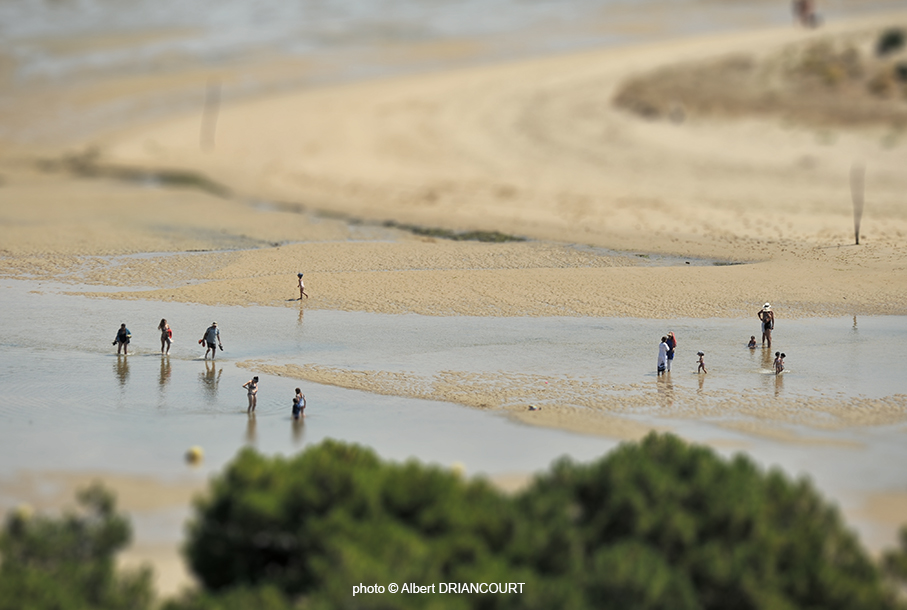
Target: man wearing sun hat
{"type": "Point", "coordinates": [212, 340]}
{"type": "Point", "coordinates": [767, 316]}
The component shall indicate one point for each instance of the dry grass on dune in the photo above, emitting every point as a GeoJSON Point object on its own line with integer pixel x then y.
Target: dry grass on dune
{"type": "Point", "coordinates": [855, 80]}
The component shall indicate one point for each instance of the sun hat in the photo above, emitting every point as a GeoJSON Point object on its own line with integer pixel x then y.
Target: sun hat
{"type": "Point", "coordinates": [298, 275]}
{"type": "Point", "coordinates": [213, 323]}
{"type": "Point", "coordinates": [767, 306]}
{"type": "Point", "coordinates": [700, 353]}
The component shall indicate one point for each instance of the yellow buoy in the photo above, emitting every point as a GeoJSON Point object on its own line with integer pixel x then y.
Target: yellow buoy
{"type": "Point", "coordinates": [195, 455]}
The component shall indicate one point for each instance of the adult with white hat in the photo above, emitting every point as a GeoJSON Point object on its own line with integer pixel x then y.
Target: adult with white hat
{"type": "Point", "coordinates": [767, 316]}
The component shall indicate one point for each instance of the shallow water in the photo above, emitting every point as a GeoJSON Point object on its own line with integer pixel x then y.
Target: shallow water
{"type": "Point", "coordinates": [70, 403]}
{"type": "Point", "coordinates": [151, 34]}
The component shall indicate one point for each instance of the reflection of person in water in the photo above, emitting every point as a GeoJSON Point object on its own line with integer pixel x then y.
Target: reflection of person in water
{"type": "Point", "coordinates": [121, 369]}
{"type": "Point", "coordinates": [298, 429]}
{"type": "Point", "coordinates": [165, 372]}
{"type": "Point", "coordinates": [766, 359]}
{"type": "Point", "coordinates": [210, 379]}
{"type": "Point", "coordinates": [250, 429]}
{"type": "Point", "coordinates": [665, 388]}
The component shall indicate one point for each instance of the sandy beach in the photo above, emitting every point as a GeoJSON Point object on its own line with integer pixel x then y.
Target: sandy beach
{"type": "Point", "coordinates": [617, 216]}
{"type": "Point", "coordinates": [532, 149]}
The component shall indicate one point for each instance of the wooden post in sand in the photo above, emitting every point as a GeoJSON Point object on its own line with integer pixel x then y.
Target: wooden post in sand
{"type": "Point", "coordinates": [209, 115]}
{"type": "Point", "coordinates": [857, 172]}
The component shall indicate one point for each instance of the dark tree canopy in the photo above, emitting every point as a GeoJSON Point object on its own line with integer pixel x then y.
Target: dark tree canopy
{"type": "Point", "coordinates": [68, 563]}
{"type": "Point", "coordinates": [653, 525]}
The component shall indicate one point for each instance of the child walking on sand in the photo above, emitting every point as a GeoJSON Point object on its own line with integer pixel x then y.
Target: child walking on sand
{"type": "Point", "coordinates": [701, 368]}
{"type": "Point", "coordinates": [301, 287]}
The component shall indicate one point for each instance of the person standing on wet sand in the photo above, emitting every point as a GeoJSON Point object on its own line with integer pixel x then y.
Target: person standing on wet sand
{"type": "Point", "coordinates": [767, 316]}
{"type": "Point", "coordinates": [663, 355]}
{"type": "Point", "coordinates": [212, 340]}
{"type": "Point", "coordinates": [166, 335]}
{"type": "Point", "coordinates": [122, 340]}
{"type": "Point", "coordinates": [301, 287]}
{"type": "Point", "coordinates": [252, 391]}
{"type": "Point", "coordinates": [672, 343]}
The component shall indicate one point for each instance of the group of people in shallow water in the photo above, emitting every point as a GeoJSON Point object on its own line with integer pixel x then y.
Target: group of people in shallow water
{"type": "Point", "coordinates": [211, 341]}
{"type": "Point", "coordinates": [251, 387]}
{"type": "Point", "coordinates": [766, 316]}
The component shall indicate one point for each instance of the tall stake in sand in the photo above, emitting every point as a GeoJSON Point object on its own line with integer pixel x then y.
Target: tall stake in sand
{"type": "Point", "coordinates": [209, 115]}
{"type": "Point", "coordinates": [857, 172]}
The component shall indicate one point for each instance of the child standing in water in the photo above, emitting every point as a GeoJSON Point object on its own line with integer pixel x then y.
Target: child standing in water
{"type": "Point", "coordinates": [701, 368]}
{"type": "Point", "coordinates": [166, 336]}
{"type": "Point", "coordinates": [298, 404]}
{"type": "Point", "coordinates": [252, 389]}
{"type": "Point", "coordinates": [779, 362]}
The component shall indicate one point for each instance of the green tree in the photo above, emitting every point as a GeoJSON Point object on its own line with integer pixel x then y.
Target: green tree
{"type": "Point", "coordinates": [653, 525]}
{"type": "Point", "coordinates": [240, 598]}
{"type": "Point", "coordinates": [895, 562]}
{"type": "Point", "coordinates": [68, 563]}
{"type": "Point", "coordinates": [662, 524]}
{"type": "Point", "coordinates": [335, 516]}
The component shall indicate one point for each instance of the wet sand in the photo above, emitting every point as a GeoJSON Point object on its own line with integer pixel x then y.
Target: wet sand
{"type": "Point", "coordinates": [399, 383]}
{"type": "Point", "coordinates": [532, 149]}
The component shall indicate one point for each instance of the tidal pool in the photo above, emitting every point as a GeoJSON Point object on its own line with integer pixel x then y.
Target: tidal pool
{"type": "Point", "coordinates": [71, 404]}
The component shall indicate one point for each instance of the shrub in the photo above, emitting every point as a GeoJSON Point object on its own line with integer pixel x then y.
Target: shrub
{"type": "Point", "coordinates": [654, 525]}
{"type": "Point", "coordinates": [895, 562]}
{"type": "Point", "coordinates": [68, 563]}
{"type": "Point", "coordinates": [336, 515]}
{"type": "Point", "coordinates": [890, 41]}
{"type": "Point", "coordinates": [713, 534]}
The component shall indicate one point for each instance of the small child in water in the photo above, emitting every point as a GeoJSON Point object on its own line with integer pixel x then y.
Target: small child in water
{"type": "Point", "coordinates": [298, 404]}
{"type": "Point", "coordinates": [701, 368]}
{"type": "Point", "coordinates": [779, 362]}
{"type": "Point", "coordinates": [752, 343]}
